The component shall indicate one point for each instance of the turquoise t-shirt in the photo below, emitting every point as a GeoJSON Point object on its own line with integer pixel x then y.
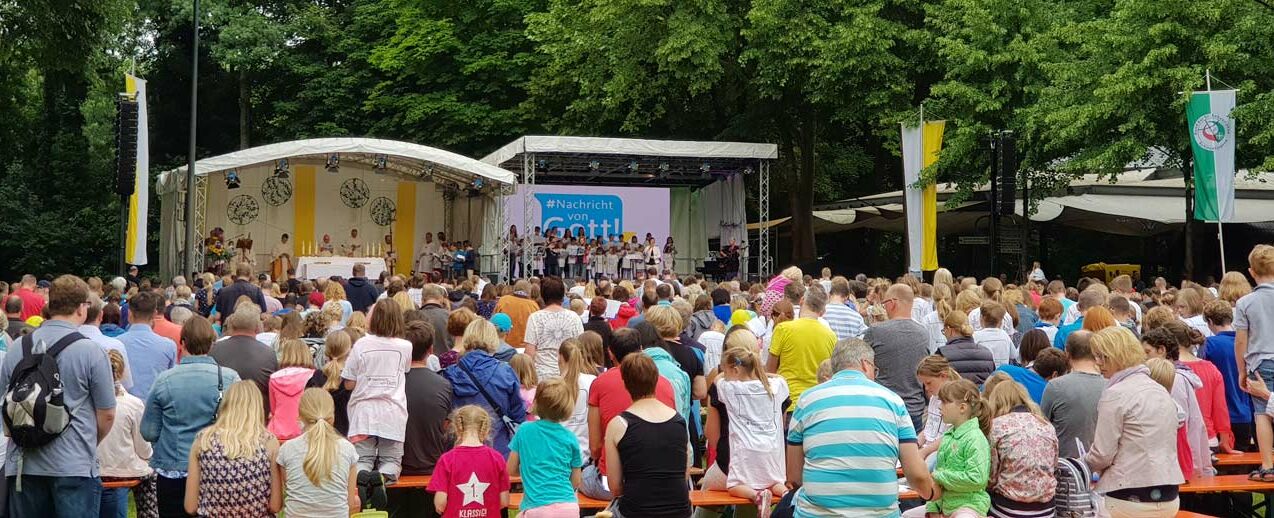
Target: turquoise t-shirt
{"type": "Point", "coordinates": [547, 452]}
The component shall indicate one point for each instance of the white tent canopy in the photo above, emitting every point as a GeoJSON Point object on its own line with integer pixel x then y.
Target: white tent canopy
{"type": "Point", "coordinates": [1137, 203]}
{"type": "Point", "coordinates": [398, 152]}
{"type": "Point", "coordinates": [636, 147]}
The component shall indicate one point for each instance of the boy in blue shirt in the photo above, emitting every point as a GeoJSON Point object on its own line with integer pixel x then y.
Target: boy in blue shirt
{"type": "Point", "coordinates": [1219, 349]}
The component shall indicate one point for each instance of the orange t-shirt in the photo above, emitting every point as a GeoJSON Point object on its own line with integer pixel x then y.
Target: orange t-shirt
{"type": "Point", "coordinates": [169, 330]}
{"type": "Point", "coordinates": [519, 310]}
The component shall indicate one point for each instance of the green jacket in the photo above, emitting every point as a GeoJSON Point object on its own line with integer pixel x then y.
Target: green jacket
{"type": "Point", "coordinates": [963, 470]}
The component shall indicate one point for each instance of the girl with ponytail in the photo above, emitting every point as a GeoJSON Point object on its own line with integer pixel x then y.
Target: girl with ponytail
{"type": "Point", "coordinates": [964, 458]}
{"type": "Point", "coordinates": [753, 402]}
{"type": "Point", "coordinates": [319, 466]}
{"type": "Point", "coordinates": [578, 371]}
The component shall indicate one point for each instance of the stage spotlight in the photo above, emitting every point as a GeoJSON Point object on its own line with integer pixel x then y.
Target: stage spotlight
{"type": "Point", "coordinates": [478, 183]}
{"type": "Point", "coordinates": [281, 168]}
{"type": "Point", "coordinates": [632, 166]}
{"type": "Point", "coordinates": [594, 165]}
{"type": "Point", "coordinates": [333, 163]}
{"type": "Point", "coordinates": [747, 170]}
{"type": "Point", "coordinates": [542, 164]}
{"type": "Point", "coordinates": [380, 164]}
{"type": "Point", "coordinates": [705, 167]}
{"type": "Point", "coordinates": [427, 173]}
{"type": "Point", "coordinates": [232, 179]}
{"type": "Point", "coordinates": [663, 166]}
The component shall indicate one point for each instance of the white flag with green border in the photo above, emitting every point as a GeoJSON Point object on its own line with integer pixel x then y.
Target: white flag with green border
{"type": "Point", "coordinates": [1212, 137]}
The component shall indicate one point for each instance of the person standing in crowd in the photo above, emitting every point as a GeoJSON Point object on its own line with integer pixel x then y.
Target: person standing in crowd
{"type": "Point", "coordinates": [434, 309]}
{"type": "Point", "coordinates": [668, 324]}
{"type": "Point", "coordinates": [548, 327]}
{"type": "Point", "coordinates": [519, 306]}
{"type": "Point", "coordinates": [1033, 342]}
{"type": "Point", "coordinates": [359, 290]}
{"type": "Point", "coordinates": [972, 361]}
{"type": "Point", "coordinates": [123, 453]}
{"type": "Point", "coordinates": [900, 343]}
{"type": "Point", "coordinates": [1211, 395]}
{"type": "Point", "coordinates": [840, 314]}
{"type": "Point", "coordinates": [32, 302]}
{"type": "Point", "coordinates": [579, 372]}
{"type": "Point", "coordinates": [798, 346]}
{"type": "Point", "coordinates": [1162, 342]}
{"type": "Point", "coordinates": [472, 479]}
{"type": "Point", "coordinates": [425, 439]}
{"type": "Point", "coordinates": [1090, 298]}
{"type": "Point", "coordinates": [1219, 350]}
{"type": "Point", "coordinates": [375, 374]}
{"type": "Point", "coordinates": [817, 473]}
{"type": "Point", "coordinates": [597, 321]}
{"type": "Point", "coordinates": [240, 350]}
{"type": "Point", "coordinates": [228, 297]}
{"type": "Point", "coordinates": [182, 402]}
{"type": "Point", "coordinates": [545, 453]}
{"type": "Point", "coordinates": [991, 336]}
{"type": "Point", "coordinates": [296, 371]}
{"type": "Point", "coordinates": [480, 379]}
{"type": "Point", "coordinates": [232, 460]}
{"type": "Point", "coordinates": [1254, 346]}
{"type": "Point", "coordinates": [1050, 311]}
{"type": "Point", "coordinates": [93, 332]}
{"type": "Point", "coordinates": [149, 353]}
{"type": "Point", "coordinates": [607, 398]}
{"type": "Point", "coordinates": [60, 478]}
{"type": "Point", "coordinates": [1070, 401]}
{"type": "Point", "coordinates": [1023, 453]}
{"type": "Point", "coordinates": [1135, 440]}
{"type": "Point", "coordinates": [648, 450]}
{"type": "Point", "coordinates": [13, 313]}
{"type": "Point", "coordinates": [319, 468]}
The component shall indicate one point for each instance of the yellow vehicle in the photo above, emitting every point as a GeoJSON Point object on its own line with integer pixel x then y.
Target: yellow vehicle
{"type": "Point", "coordinates": [1108, 272]}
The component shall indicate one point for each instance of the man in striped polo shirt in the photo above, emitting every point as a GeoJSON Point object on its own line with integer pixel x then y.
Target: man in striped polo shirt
{"type": "Point", "coordinates": [845, 438]}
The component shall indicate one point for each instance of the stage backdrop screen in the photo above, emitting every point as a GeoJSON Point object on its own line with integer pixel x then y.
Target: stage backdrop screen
{"type": "Point", "coordinates": [600, 211]}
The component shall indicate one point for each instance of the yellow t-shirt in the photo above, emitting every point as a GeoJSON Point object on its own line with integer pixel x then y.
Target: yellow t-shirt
{"type": "Point", "coordinates": [801, 345]}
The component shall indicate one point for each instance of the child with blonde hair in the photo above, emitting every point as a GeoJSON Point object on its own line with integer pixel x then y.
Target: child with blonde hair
{"type": "Point", "coordinates": [296, 371]}
{"type": "Point", "coordinates": [579, 373]}
{"type": "Point", "coordinates": [319, 467]}
{"type": "Point", "coordinates": [231, 461]}
{"type": "Point", "coordinates": [472, 479]}
{"type": "Point", "coordinates": [753, 403]}
{"type": "Point", "coordinates": [964, 457]}
{"type": "Point", "coordinates": [524, 366]}
{"type": "Point", "coordinates": [1023, 453]}
{"type": "Point", "coordinates": [546, 454]}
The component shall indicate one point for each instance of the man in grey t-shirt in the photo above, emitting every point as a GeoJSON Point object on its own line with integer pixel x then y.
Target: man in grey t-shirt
{"type": "Point", "coordinates": [1070, 401]}
{"type": "Point", "coordinates": [61, 477]}
{"type": "Point", "coordinates": [900, 343]}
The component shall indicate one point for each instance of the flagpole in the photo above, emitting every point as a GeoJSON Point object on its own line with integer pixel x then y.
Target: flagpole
{"type": "Point", "coordinates": [1220, 228]}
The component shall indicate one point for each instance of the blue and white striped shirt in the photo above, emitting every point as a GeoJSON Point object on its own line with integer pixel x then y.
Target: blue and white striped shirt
{"type": "Point", "coordinates": [844, 321]}
{"type": "Point", "coordinates": [850, 428]}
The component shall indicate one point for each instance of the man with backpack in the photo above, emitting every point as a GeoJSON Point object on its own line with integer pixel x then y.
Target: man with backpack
{"type": "Point", "coordinates": [54, 435]}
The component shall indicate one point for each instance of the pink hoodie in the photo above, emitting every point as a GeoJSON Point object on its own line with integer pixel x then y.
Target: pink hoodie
{"type": "Point", "coordinates": [286, 386]}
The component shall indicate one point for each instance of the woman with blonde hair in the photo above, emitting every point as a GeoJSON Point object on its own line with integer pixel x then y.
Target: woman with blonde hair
{"type": "Point", "coordinates": [335, 292]}
{"type": "Point", "coordinates": [974, 362]}
{"type": "Point", "coordinates": [1234, 286]}
{"type": "Point", "coordinates": [1190, 308]}
{"type": "Point", "coordinates": [933, 372]}
{"type": "Point", "coordinates": [1134, 443]}
{"type": "Point", "coordinates": [480, 379]}
{"type": "Point", "coordinates": [943, 276]}
{"type": "Point", "coordinates": [933, 320]}
{"type": "Point", "coordinates": [1023, 453]}
{"type": "Point", "coordinates": [404, 300]}
{"type": "Point", "coordinates": [231, 461]}
{"type": "Point", "coordinates": [578, 371]}
{"type": "Point", "coordinates": [123, 452]}
{"type": "Point", "coordinates": [967, 300]}
{"type": "Point", "coordinates": [336, 349]}
{"type": "Point", "coordinates": [296, 372]}
{"type": "Point", "coordinates": [319, 468]}
{"type": "Point", "coordinates": [357, 320]}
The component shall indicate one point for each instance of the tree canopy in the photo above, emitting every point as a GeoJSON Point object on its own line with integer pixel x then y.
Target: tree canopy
{"type": "Point", "coordinates": [1087, 85]}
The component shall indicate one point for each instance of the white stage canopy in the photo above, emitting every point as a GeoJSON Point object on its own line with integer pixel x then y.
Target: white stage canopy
{"type": "Point", "coordinates": [322, 147]}
{"type": "Point", "coordinates": [635, 147]}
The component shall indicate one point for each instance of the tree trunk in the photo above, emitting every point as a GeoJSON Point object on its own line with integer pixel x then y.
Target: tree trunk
{"type": "Point", "coordinates": [803, 195]}
{"type": "Point", "coordinates": [245, 104]}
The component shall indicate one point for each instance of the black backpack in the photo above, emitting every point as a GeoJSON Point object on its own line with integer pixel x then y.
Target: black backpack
{"type": "Point", "coordinates": [34, 412]}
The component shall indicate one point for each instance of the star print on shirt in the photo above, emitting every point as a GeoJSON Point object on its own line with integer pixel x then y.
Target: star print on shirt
{"type": "Point", "coordinates": [473, 490]}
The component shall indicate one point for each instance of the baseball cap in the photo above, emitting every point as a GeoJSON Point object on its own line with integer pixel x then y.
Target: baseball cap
{"type": "Point", "coordinates": [44, 284]}
{"type": "Point", "coordinates": [502, 322]}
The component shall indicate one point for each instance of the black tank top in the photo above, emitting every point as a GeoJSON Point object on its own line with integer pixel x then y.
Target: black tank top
{"type": "Point", "coordinates": [654, 466]}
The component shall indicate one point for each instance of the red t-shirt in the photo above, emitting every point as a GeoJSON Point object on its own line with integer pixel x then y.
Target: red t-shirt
{"type": "Point", "coordinates": [611, 399]}
{"type": "Point", "coordinates": [473, 477]}
{"type": "Point", "coordinates": [32, 302]}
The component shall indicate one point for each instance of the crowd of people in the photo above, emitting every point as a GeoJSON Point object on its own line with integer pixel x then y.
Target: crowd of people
{"type": "Point", "coordinates": [807, 396]}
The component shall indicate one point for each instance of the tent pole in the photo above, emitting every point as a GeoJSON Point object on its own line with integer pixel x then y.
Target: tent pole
{"type": "Point", "coordinates": [1220, 237]}
{"type": "Point", "coordinates": [190, 268]}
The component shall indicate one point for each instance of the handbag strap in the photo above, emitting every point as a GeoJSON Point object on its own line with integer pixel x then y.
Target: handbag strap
{"type": "Point", "coordinates": [490, 400]}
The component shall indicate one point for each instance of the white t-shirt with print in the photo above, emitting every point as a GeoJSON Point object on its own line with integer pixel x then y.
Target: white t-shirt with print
{"type": "Point", "coordinates": [378, 406]}
{"type": "Point", "coordinates": [546, 329]}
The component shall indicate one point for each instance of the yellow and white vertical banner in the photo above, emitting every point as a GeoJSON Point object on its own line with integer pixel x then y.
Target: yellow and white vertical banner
{"type": "Point", "coordinates": [135, 242]}
{"type": "Point", "coordinates": [920, 146]}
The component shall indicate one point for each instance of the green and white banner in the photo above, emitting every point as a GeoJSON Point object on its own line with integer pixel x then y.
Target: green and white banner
{"type": "Point", "coordinates": [1212, 137]}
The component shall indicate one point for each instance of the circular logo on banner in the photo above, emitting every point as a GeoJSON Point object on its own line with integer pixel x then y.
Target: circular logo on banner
{"type": "Point", "coordinates": [382, 211]}
{"type": "Point", "coordinates": [354, 193]}
{"type": "Point", "coordinates": [1211, 131]}
{"type": "Point", "coordinates": [242, 209]}
{"type": "Point", "coordinates": [276, 191]}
